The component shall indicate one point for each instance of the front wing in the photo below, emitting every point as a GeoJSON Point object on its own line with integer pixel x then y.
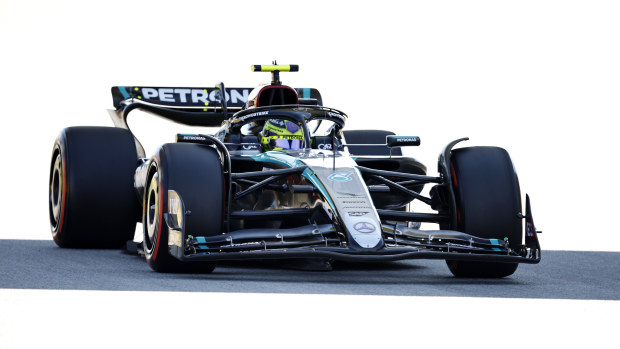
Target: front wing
{"type": "Point", "coordinates": [320, 241]}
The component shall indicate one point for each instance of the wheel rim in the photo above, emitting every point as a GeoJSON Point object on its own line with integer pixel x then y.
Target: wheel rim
{"type": "Point", "coordinates": [152, 213]}
{"type": "Point", "coordinates": [56, 192]}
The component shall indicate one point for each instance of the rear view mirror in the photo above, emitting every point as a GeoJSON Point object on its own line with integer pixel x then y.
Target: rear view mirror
{"type": "Point", "coordinates": [402, 141]}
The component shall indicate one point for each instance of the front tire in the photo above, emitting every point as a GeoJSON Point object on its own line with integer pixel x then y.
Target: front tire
{"type": "Point", "coordinates": [488, 202]}
{"type": "Point", "coordinates": [194, 171]}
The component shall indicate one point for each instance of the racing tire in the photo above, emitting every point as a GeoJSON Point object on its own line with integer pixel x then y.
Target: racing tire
{"type": "Point", "coordinates": [195, 172]}
{"type": "Point", "coordinates": [488, 201]}
{"type": "Point", "coordinates": [92, 200]}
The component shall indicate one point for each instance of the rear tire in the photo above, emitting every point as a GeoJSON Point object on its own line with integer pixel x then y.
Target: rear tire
{"type": "Point", "coordinates": [488, 201]}
{"type": "Point", "coordinates": [92, 200]}
{"type": "Point", "coordinates": [194, 171]}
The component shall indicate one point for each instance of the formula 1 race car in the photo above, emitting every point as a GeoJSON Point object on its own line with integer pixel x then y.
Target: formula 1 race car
{"type": "Point", "coordinates": [281, 179]}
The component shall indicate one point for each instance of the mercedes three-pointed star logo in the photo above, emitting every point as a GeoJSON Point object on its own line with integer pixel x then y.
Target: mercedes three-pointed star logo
{"type": "Point", "coordinates": [364, 227]}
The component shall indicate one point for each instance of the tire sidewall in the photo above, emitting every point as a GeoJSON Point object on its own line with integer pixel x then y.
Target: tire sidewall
{"type": "Point", "coordinates": [57, 223]}
{"type": "Point", "coordinates": [152, 247]}
{"type": "Point", "coordinates": [156, 249]}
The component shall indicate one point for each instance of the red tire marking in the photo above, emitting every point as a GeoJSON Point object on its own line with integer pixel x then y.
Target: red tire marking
{"type": "Point", "coordinates": [456, 183]}
{"type": "Point", "coordinates": [64, 193]}
{"type": "Point", "coordinates": [161, 211]}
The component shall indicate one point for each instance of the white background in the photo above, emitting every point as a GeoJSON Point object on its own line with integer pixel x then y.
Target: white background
{"type": "Point", "coordinates": [540, 78]}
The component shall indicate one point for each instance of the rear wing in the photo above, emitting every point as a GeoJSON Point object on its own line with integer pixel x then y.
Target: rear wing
{"type": "Point", "coordinates": [189, 97]}
{"type": "Point", "coordinates": [188, 105]}
{"type": "Point", "coordinates": [196, 100]}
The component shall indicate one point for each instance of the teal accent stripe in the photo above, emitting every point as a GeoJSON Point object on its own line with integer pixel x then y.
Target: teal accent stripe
{"type": "Point", "coordinates": [309, 174]}
{"type": "Point", "coordinates": [306, 93]}
{"type": "Point", "coordinates": [202, 242]}
{"type": "Point", "coordinates": [123, 91]}
{"type": "Point", "coordinates": [277, 157]}
{"type": "Point", "coordinates": [496, 243]}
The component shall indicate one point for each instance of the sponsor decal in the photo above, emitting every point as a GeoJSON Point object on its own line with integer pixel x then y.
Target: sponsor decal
{"type": "Point", "coordinates": [260, 113]}
{"type": "Point", "coordinates": [276, 122]}
{"type": "Point", "coordinates": [193, 138]}
{"type": "Point", "coordinates": [194, 95]}
{"type": "Point", "coordinates": [173, 205]}
{"type": "Point", "coordinates": [357, 213]}
{"type": "Point", "coordinates": [334, 114]}
{"type": "Point", "coordinates": [340, 177]}
{"type": "Point", "coordinates": [364, 227]}
{"type": "Point", "coordinates": [407, 139]}
{"type": "Point", "coordinates": [529, 229]}
{"type": "Point", "coordinates": [325, 146]}
{"type": "Point", "coordinates": [347, 194]}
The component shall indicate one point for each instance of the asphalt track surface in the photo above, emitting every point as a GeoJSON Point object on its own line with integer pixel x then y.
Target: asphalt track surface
{"type": "Point", "coordinates": [41, 265]}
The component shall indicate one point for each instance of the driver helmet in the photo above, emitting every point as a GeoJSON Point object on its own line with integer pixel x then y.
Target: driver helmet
{"type": "Point", "coordinates": [280, 134]}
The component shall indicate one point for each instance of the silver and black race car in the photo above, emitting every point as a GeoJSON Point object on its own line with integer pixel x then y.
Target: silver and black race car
{"type": "Point", "coordinates": [339, 195]}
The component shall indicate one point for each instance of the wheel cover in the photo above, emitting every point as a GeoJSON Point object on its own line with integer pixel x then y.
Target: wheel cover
{"type": "Point", "coordinates": [56, 192]}
{"type": "Point", "coordinates": [152, 209]}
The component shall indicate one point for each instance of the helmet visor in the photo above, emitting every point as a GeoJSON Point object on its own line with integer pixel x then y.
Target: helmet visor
{"type": "Point", "coordinates": [282, 143]}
